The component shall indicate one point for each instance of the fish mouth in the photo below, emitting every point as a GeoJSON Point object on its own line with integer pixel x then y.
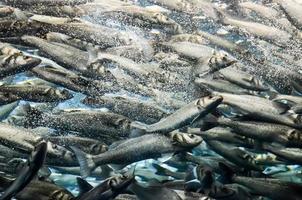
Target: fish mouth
{"type": "Point", "coordinates": [31, 62]}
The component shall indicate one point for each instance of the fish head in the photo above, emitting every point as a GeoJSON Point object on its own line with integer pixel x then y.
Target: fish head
{"type": "Point", "coordinates": [186, 139]}
{"type": "Point", "coordinates": [93, 101]}
{"type": "Point", "coordinates": [221, 60]}
{"type": "Point", "coordinates": [205, 174]}
{"type": "Point", "coordinates": [294, 135]}
{"type": "Point", "coordinates": [98, 148]}
{"type": "Point", "coordinates": [118, 181]}
{"type": "Point", "coordinates": [60, 194]}
{"type": "Point", "coordinates": [60, 151]}
{"type": "Point", "coordinates": [63, 94]}
{"type": "Point", "coordinates": [209, 102]}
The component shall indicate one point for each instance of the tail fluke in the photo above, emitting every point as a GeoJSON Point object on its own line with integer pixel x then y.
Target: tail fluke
{"type": "Point", "coordinates": [84, 186]}
{"type": "Point", "coordinates": [228, 173]}
{"type": "Point", "coordinates": [86, 162]}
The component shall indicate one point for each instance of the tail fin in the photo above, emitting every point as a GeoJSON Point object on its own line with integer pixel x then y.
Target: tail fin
{"type": "Point", "coordinates": [86, 162]}
{"type": "Point", "coordinates": [84, 186]}
{"type": "Point", "coordinates": [160, 170]}
{"type": "Point", "coordinates": [297, 87]}
{"type": "Point", "coordinates": [32, 116]}
{"type": "Point", "coordinates": [227, 173]}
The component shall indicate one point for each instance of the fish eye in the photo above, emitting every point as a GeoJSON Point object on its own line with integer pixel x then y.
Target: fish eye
{"type": "Point", "coordinates": [191, 135]}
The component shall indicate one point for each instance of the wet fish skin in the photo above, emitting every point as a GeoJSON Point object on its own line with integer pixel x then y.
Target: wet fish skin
{"type": "Point", "coordinates": [37, 93]}
{"type": "Point", "coordinates": [70, 80]}
{"type": "Point", "coordinates": [99, 35]}
{"type": "Point", "coordinates": [215, 63]}
{"type": "Point", "coordinates": [139, 16]}
{"type": "Point", "coordinates": [227, 136]}
{"type": "Point", "coordinates": [25, 3]}
{"type": "Point", "coordinates": [220, 85]}
{"type": "Point", "coordinates": [147, 112]}
{"type": "Point", "coordinates": [268, 187]}
{"type": "Point", "coordinates": [289, 155]}
{"type": "Point", "coordinates": [35, 162]}
{"type": "Point", "coordinates": [260, 108]}
{"type": "Point", "coordinates": [262, 131]}
{"type": "Point", "coordinates": [243, 79]}
{"type": "Point", "coordinates": [13, 61]}
{"type": "Point", "coordinates": [24, 140]}
{"type": "Point", "coordinates": [291, 8]}
{"type": "Point", "coordinates": [7, 98]}
{"type": "Point", "coordinates": [136, 149]}
{"type": "Point", "coordinates": [151, 192]}
{"type": "Point", "coordinates": [17, 27]}
{"type": "Point", "coordinates": [235, 155]}
{"type": "Point", "coordinates": [182, 117]}
{"type": "Point", "coordinates": [108, 188]}
{"type": "Point", "coordinates": [96, 124]}
{"type": "Point", "coordinates": [268, 33]}
{"type": "Point", "coordinates": [44, 190]}
{"type": "Point", "coordinates": [85, 144]}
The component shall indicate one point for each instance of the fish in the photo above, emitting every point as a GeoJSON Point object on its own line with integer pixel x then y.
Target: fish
{"type": "Point", "coordinates": [70, 80]}
{"type": "Point", "coordinates": [44, 190]}
{"type": "Point", "coordinates": [271, 188]}
{"type": "Point", "coordinates": [291, 9]}
{"type": "Point", "coordinates": [220, 85]}
{"type": "Point", "coordinates": [108, 189]}
{"type": "Point", "coordinates": [225, 135]}
{"type": "Point", "coordinates": [99, 35]}
{"type": "Point", "coordinates": [136, 149]}
{"type": "Point", "coordinates": [151, 192]}
{"type": "Point", "coordinates": [243, 79]}
{"type": "Point", "coordinates": [196, 109]}
{"type": "Point", "coordinates": [45, 2]}
{"type": "Point", "coordinates": [87, 145]}
{"type": "Point", "coordinates": [17, 27]}
{"type": "Point", "coordinates": [290, 155]}
{"type": "Point", "coordinates": [35, 162]}
{"type": "Point", "coordinates": [37, 93]}
{"type": "Point", "coordinates": [269, 33]}
{"type": "Point", "coordinates": [263, 109]}
{"type": "Point", "coordinates": [192, 7]}
{"type": "Point", "coordinates": [235, 155]}
{"type": "Point", "coordinates": [144, 111]}
{"type": "Point", "coordinates": [24, 140]}
{"type": "Point", "coordinates": [107, 126]}
{"type": "Point", "coordinates": [262, 131]}
{"type": "Point", "coordinates": [215, 63]}
{"type": "Point", "coordinates": [190, 50]}
{"type": "Point", "coordinates": [14, 62]}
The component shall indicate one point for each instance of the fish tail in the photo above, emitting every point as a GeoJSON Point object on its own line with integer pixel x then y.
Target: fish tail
{"type": "Point", "coordinates": [85, 160]}
{"type": "Point", "coordinates": [159, 169]}
{"type": "Point", "coordinates": [227, 173]}
{"type": "Point", "coordinates": [296, 87]}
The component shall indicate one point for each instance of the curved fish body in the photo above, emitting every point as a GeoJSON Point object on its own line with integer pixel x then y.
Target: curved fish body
{"type": "Point", "coordinates": [135, 109]}
{"type": "Point", "coordinates": [96, 124]}
{"type": "Point", "coordinates": [235, 155]}
{"type": "Point", "coordinates": [269, 33]}
{"type": "Point", "coordinates": [182, 117]}
{"type": "Point", "coordinates": [35, 162]}
{"type": "Point", "coordinates": [37, 93]}
{"type": "Point", "coordinates": [136, 149]}
{"type": "Point", "coordinates": [71, 80]}
{"type": "Point", "coordinates": [261, 108]}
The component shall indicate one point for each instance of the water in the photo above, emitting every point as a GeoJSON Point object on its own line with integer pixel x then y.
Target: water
{"type": "Point", "coordinates": [267, 59]}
